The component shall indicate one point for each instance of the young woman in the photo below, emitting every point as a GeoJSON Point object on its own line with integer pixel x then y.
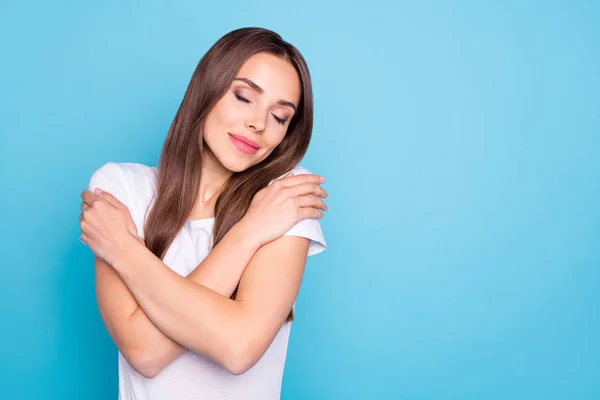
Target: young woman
{"type": "Point", "coordinates": [199, 261]}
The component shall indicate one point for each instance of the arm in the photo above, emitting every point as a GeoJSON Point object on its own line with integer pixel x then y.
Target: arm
{"type": "Point", "coordinates": [144, 346]}
{"type": "Point", "coordinates": [233, 333]}
{"type": "Point", "coordinates": [273, 211]}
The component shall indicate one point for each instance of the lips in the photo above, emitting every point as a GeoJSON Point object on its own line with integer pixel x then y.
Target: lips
{"type": "Point", "coordinates": [244, 139]}
{"type": "Point", "coordinates": [243, 144]}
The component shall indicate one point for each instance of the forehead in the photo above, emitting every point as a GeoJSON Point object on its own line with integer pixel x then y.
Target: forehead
{"type": "Point", "coordinates": [277, 77]}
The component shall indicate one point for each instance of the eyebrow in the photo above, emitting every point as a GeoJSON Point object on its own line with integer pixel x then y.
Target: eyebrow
{"type": "Point", "coordinates": [261, 91]}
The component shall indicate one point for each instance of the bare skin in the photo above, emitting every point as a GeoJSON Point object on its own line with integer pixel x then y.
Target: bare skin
{"type": "Point", "coordinates": [151, 310]}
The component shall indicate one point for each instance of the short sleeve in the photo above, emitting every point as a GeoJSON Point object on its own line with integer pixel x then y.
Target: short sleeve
{"type": "Point", "coordinates": [311, 229]}
{"type": "Point", "coordinates": [122, 181]}
{"type": "Point", "coordinates": [308, 228]}
{"type": "Point", "coordinates": [115, 179]}
{"type": "Point", "coordinates": [109, 178]}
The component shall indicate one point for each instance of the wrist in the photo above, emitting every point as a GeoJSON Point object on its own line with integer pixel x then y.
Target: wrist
{"type": "Point", "coordinates": [244, 235]}
{"type": "Point", "coordinates": [127, 249]}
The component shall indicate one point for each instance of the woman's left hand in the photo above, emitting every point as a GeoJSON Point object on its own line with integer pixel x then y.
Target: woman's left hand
{"type": "Point", "coordinates": [106, 225]}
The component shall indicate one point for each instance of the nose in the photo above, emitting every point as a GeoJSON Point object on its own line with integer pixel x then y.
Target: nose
{"type": "Point", "coordinates": [256, 122]}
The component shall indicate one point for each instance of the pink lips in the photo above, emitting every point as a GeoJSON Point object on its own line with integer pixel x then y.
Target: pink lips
{"type": "Point", "coordinates": [244, 144]}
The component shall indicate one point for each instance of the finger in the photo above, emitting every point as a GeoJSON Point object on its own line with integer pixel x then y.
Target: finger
{"type": "Point", "coordinates": [311, 201]}
{"type": "Point", "coordinates": [85, 238]}
{"type": "Point", "coordinates": [122, 207]}
{"type": "Point", "coordinates": [84, 206]}
{"type": "Point", "coordinates": [111, 199]}
{"type": "Point", "coordinates": [88, 227]}
{"type": "Point", "coordinates": [306, 188]}
{"type": "Point", "coordinates": [309, 212]}
{"type": "Point", "coordinates": [88, 197]}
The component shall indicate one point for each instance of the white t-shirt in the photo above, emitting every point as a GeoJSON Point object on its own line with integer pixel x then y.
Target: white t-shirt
{"type": "Point", "coordinates": [191, 375]}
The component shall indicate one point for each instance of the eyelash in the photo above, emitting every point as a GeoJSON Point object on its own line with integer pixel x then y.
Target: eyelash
{"type": "Point", "coordinates": [279, 120]}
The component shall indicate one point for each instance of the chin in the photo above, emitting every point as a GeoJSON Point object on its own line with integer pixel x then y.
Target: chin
{"type": "Point", "coordinates": [236, 163]}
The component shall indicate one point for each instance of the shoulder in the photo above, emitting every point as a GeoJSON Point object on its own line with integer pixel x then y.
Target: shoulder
{"type": "Point", "coordinates": [123, 174]}
{"type": "Point", "coordinates": [297, 170]}
{"type": "Point", "coordinates": [128, 182]}
{"type": "Point", "coordinates": [300, 170]}
{"type": "Point", "coordinates": [307, 228]}
{"type": "Point", "coordinates": [132, 184]}
{"type": "Point", "coordinates": [108, 177]}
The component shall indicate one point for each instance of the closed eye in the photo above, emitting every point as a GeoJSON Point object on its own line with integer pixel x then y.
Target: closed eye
{"type": "Point", "coordinates": [240, 98]}
{"type": "Point", "coordinates": [279, 120]}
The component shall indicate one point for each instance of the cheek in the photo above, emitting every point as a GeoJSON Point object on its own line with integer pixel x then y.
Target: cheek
{"type": "Point", "coordinates": [214, 124]}
{"type": "Point", "coordinates": [231, 111]}
{"type": "Point", "coordinates": [224, 114]}
{"type": "Point", "coordinates": [274, 141]}
{"type": "Point", "coordinates": [278, 139]}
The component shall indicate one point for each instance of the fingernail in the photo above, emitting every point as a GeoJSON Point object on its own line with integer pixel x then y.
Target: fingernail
{"type": "Point", "coordinates": [98, 191]}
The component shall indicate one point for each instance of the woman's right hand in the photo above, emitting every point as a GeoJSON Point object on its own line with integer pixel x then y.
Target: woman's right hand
{"type": "Point", "coordinates": [275, 209]}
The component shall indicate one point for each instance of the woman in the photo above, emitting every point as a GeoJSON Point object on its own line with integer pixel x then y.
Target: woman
{"type": "Point", "coordinates": [194, 324]}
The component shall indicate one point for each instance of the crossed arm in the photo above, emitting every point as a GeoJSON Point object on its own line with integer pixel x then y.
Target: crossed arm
{"type": "Point", "coordinates": [154, 315]}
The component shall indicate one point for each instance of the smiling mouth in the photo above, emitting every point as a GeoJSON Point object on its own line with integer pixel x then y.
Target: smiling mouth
{"type": "Point", "coordinates": [244, 139]}
{"type": "Point", "coordinates": [242, 144]}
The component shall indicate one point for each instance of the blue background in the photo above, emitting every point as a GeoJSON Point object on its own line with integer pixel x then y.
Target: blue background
{"type": "Point", "coordinates": [461, 146]}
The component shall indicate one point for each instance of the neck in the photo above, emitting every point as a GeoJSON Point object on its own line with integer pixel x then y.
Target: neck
{"type": "Point", "coordinates": [212, 180]}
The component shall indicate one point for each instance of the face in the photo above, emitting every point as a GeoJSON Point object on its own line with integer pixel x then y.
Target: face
{"type": "Point", "coordinates": [253, 116]}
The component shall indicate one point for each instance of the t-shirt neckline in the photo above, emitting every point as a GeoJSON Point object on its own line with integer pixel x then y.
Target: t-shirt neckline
{"type": "Point", "coordinates": [201, 222]}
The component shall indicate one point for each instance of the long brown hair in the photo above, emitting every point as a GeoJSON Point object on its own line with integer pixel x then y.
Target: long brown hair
{"type": "Point", "coordinates": [181, 158]}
